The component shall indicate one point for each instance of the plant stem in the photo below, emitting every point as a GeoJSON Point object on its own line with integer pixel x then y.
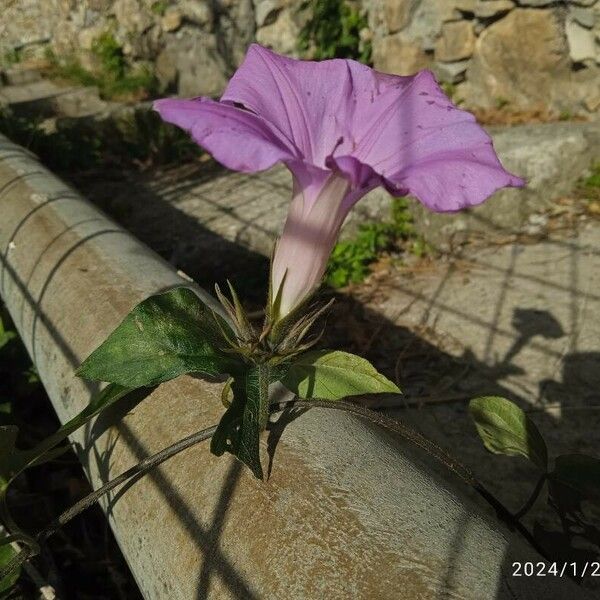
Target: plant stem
{"type": "Point", "coordinates": [142, 467]}
{"type": "Point", "coordinates": [534, 496]}
{"type": "Point", "coordinates": [394, 425]}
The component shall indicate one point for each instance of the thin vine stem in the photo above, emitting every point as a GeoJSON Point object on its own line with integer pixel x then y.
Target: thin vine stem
{"type": "Point", "coordinates": [419, 440]}
{"type": "Point", "coordinates": [142, 467]}
{"type": "Point", "coordinates": [531, 501]}
{"type": "Point", "coordinates": [394, 425]}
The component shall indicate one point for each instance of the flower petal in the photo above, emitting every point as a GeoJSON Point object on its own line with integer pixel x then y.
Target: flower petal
{"type": "Point", "coordinates": [416, 139]}
{"type": "Point", "coordinates": [238, 139]}
{"type": "Point", "coordinates": [313, 104]}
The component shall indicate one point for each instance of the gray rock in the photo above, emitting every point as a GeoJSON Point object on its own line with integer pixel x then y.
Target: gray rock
{"type": "Point", "coordinates": [582, 2]}
{"type": "Point", "coordinates": [489, 9]}
{"type": "Point", "coordinates": [521, 58]}
{"type": "Point", "coordinates": [192, 58]}
{"type": "Point", "coordinates": [281, 35]}
{"type": "Point", "coordinates": [581, 41]}
{"type": "Point", "coordinates": [427, 20]}
{"type": "Point", "coordinates": [265, 11]}
{"type": "Point", "coordinates": [456, 42]}
{"type": "Point", "coordinates": [583, 16]}
{"type": "Point", "coordinates": [198, 12]}
{"type": "Point", "coordinates": [451, 72]}
{"type": "Point", "coordinates": [536, 3]}
{"type": "Point", "coordinates": [399, 55]}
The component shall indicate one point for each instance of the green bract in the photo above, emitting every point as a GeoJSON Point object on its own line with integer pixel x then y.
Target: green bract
{"type": "Point", "coordinates": [333, 375]}
{"type": "Point", "coordinates": [506, 429]}
{"type": "Point", "coordinates": [161, 338]}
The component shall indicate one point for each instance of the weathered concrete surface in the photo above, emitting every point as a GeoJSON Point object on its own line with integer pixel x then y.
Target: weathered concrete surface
{"type": "Point", "coordinates": [348, 511]}
{"type": "Point", "coordinates": [517, 320]}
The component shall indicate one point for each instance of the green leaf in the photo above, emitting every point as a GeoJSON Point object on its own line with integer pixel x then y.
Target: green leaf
{"type": "Point", "coordinates": [333, 375]}
{"type": "Point", "coordinates": [7, 553]}
{"type": "Point", "coordinates": [163, 337]}
{"type": "Point", "coordinates": [579, 472]}
{"type": "Point", "coordinates": [506, 429]}
{"type": "Point", "coordinates": [240, 427]}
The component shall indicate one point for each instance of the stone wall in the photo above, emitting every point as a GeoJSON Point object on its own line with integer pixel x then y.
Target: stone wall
{"type": "Point", "coordinates": [528, 54]}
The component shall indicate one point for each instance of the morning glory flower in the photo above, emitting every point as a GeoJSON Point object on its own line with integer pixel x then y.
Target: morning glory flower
{"type": "Point", "coordinates": [342, 129]}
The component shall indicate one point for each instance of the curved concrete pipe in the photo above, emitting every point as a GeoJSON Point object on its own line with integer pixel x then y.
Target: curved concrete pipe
{"type": "Point", "coordinates": [348, 512]}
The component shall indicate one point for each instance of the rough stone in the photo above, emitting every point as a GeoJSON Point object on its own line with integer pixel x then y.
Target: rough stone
{"type": "Point", "coordinates": [427, 20]}
{"type": "Point", "coordinates": [466, 6]}
{"type": "Point", "coordinates": [581, 41]}
{"type": "Point", "coordinates": [398, 55]}
{"type": "Point", "coordinates": [265, 11]}
{"type": "Point", "coordinates": [491, 9]}
{"type": "Point", "coordinates": [281, 35]}
{"type": "Point", "coordinates": [172, 20]}
{"type": "Point", "coordinates": [199, 13]}
{"type": "Point", "coordinates": [456, 42]}
{"type": "Point", "coordinates": [397, 13]}
{"type": "Point", "coordinates": [132, 16]}
{"type": "Point", "coordinates": [451, 72]}
{"type": "Point", "coordinates": [536, 3]}
{"type": "Point", "coordinates": [583, 16]}
{"type": "Point", "coordinates": [507, 64]}
{"type": "Point", "coordinates": [200, 68]}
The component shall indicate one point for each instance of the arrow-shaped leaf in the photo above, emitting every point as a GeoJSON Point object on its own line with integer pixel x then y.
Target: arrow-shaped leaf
{"type": "Point", "coordinates": [163, 337]}
{"type": "Point", "coordinates": [505, 429]}
{"type": "Point", "coordinates": [333, 375]}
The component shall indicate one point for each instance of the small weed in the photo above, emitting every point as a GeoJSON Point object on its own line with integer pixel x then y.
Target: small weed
{"type": "Point", "coordinates": [114, 78]}
{"type": "Point", "coordinates": [11, 57]}
{"type": "Point", "coordinates": [593, 180]}
{"type": "Point", "coordinates": [159, 7]}
{"type": "Point", "coordinates": [501, 102]}
{"type": "Point", "coordinates": [333, 31]}
{"type": "Point", "coordinates": [565, 115]}
{"type": "Point", "coordinates": [351, 260]}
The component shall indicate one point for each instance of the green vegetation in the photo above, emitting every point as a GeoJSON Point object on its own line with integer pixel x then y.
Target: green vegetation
{"type": "Point", "coordinates": [333, 31]}
{"type": "Point", "coordinates": [11, 57]}
{"type": "Point", "coordinates": [351, 260]}
{"type": "Point", "coordinates": [159, 7]}
{"type": "Point", "coordinates": [113, 77]}
{"type": "Point", "coordinates": [593, 180]}
{"type": "Point", "coordinates": [501, 102]}
{"type": "Point", "coordinates": [137, 137]}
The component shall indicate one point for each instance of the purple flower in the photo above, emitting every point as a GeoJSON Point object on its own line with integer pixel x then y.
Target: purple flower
{"type": "Point", "coordinates": [342, 129]}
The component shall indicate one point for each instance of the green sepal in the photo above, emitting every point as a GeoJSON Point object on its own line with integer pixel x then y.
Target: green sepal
{"type": "Point", "coordinates": [333, 375]}
{"type": "Point", "coordinates": [246, 418]}
{"type": "Point", "coordinates": [163, 337]}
